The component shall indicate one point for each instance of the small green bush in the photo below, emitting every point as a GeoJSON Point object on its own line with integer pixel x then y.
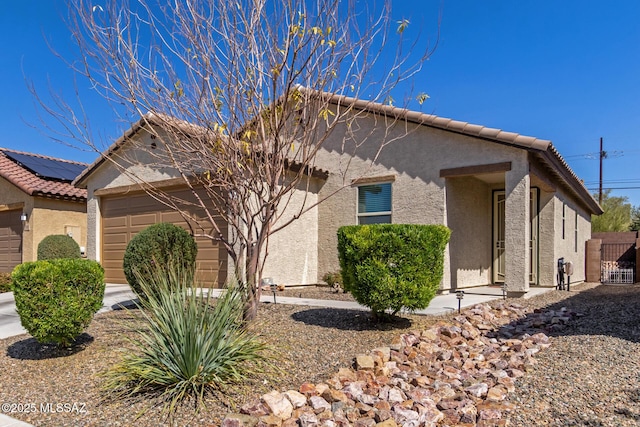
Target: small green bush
{"type": "Point", "coordinates": [334, 279]}
{"type": "Point", "coordinates": [187, 348]}
{"type": "Point", "coordinates": [5, 282]}
{"type": "Point", "coordinates": [162, 245]}
{"type": "Point", "coordinates": [57, 246]}
{"type": "Point", "coordinates": [56, 299]}
{"type": "Point", "coordinates": [392, 266]}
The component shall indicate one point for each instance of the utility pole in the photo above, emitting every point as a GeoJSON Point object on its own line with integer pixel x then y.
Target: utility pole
{"type": "Point", "coordinates": [603, 155]}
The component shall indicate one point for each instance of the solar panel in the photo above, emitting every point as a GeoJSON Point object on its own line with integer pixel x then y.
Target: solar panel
{"type": "Point", "coordinates": [47, 168]}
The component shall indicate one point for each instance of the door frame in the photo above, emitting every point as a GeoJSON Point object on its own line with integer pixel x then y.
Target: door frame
{"type": "Point", "coordinates": [497, 246]}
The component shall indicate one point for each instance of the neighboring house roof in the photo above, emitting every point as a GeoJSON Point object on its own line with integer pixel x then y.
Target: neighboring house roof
{"type": "Point", "coordinates": [21, 169]}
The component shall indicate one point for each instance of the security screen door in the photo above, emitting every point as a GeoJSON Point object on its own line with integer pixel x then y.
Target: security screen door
{"type": "Point", "coordinates": [499, 200]}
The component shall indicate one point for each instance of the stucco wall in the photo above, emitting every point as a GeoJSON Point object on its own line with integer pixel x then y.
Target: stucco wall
{"type": "Point", "coordinates": [471, 234]}
{"type": "Point", "coordinates": [57, 217]}
{"type": "Point", "coordinates": [45, 217]}
{"type": "Point", "coordinates": [418, 192]}
{"type": "Point", "coordinates": [566, 247]}
{"type": "Point", "coordinates": [546, 238]}
{"type": "Point", "coordinates": [293, 251]}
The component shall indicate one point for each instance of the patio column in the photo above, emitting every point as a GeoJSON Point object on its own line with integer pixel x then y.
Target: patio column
{"type": "Point", "coordinates": [517, 231]}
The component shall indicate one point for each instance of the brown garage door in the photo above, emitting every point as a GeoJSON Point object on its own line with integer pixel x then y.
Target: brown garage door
{"type": "Point", "coordinates": [124, 216]}
{"type": "Point", "coordinates": [10, 240]}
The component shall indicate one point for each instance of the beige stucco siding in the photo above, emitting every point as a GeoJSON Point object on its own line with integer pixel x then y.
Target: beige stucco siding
{"type": "Point", "coordinates": [45, 216]}
{"type": "Point", "coordinates": [470, 263]}
{"type": "Point", "coordinates": [293, 251]}
{"type": "Point", "coordinates": [419, 195]}
{"type": "Point", "coordinates": [57, 217]}
{"type": "Point", "coordinates": [566, 247]}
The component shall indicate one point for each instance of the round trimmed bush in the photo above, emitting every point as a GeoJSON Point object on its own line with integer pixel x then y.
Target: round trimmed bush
{"type": "Point", "coordinates": [56, 299]}
{"type": "Point", "coordinates": [162, 245]}
{"type": "Point", "coordinates": [57, 246]}
{"type": "Point", "coordinates": [390, 267]}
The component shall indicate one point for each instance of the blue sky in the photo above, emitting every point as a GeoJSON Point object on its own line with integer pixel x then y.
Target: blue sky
{"type": "Point", "coordinates": [568, 71]}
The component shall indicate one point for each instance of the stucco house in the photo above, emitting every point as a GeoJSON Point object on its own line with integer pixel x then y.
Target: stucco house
{"type": "Point", "coordinates": [36, 200]}
{"type": "Point", "coordinates": [513, 204]}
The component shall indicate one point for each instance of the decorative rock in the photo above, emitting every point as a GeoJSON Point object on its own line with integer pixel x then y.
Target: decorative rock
{"type": "Point", "coordinates": [455, 373]}
{"type": "Point", "coordinates": [239, 420]}
{"type": "Point", "coordinates": [496, 394]}
{"type": "Point", "coordinates": [291, 422]}
{"type": "Point", "coordinates": [389, 422]}
{"type": "Point", "coordinates": [364, 362]}
{"type": "Point", "coordinates": [319, 404]}
{"type": "Point", "coordinates": [402, 414]}
{"type": "Point", "coordinates": [269, 421]}
{"type": "Point", "coordinates": [308, 389]}
{"type": "Point", "coordinates": [255, 408]}
{"type": "Point", "coordinates": [395, 396]}
{"type": "Point", "coordinates": [346, 374]}
{"type": "Point", "coordinates": [308, 419]}
{"type": "Point", "coordinates": [365, 422]}
{"type": "Point", "coordinates": [477, 390]}
{"type": "Point", "coordinates": [321, 388]}
{"type": "Point", "coordinates": [278, 404]}
{"type": "Point", "coordinates": [297, 399]}
{"type": "Point", "coordinates": [384, 353]}
{"type": "Point", "coordinates": [331, 395]}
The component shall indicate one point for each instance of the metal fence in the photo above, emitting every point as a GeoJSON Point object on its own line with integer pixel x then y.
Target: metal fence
{"type": "Point", "coordinates": [617, 263]}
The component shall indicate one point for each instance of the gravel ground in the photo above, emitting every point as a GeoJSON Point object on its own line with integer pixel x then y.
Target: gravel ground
{"type": "Point", "coordinates": [590, 376]}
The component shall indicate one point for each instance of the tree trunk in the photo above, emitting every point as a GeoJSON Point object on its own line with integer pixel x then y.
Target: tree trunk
{"type": "Point", "coordinates": [252, 285]}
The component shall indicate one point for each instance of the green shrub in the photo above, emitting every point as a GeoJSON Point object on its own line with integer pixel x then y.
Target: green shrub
{"type": "Point", "coordinates": [188, 348]}
{"type": "Point", "coordinates": [162, 245]}
{"type": "Point", "coordinates": [57, 246]}
{"type": "Point", "coordinates": [5, 282]}
{"type": "Point", "coordinates": [392, 266]}
{"type": "Point", "coordinates": [56, 299]}
{"type": "Point", "coordinates": [334, 279]}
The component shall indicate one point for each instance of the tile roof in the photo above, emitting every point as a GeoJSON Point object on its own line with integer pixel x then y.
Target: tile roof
{"type": "Point", "coordinates": [544, 149]}
{"type": "Point", "coordinates": [34, 185]}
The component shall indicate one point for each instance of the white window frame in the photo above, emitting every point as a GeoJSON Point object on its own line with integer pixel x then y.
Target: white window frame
{"type": "Point", "coordinates": [379, 213]}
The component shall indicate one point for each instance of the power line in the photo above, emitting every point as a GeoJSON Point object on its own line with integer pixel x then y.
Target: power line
{"type": "Point", "coordinates": [612, 188]}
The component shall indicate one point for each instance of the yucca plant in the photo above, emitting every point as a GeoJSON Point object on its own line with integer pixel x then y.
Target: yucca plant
{"type": "Point", "coordinates": [189, 346]}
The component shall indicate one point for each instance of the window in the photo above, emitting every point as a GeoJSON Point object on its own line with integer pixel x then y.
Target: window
{"type": "Point", "coordinates": [374, 204]}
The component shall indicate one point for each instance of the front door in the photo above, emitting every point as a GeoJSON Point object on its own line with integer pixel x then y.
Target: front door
{"type": "Point", "coordinates": [498, 236]}
{"type": "Point", "coordinates": [499, 200]}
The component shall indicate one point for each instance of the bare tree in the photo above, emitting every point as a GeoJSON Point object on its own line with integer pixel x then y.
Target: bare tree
{"type": "Point", "coordinates": [241, 96]}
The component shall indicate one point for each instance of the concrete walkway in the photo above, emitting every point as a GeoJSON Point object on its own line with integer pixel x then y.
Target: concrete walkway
{"type": "Point", "coordinates": [117, 295]}
{"type": "Point", "coordinates": [121, 295]}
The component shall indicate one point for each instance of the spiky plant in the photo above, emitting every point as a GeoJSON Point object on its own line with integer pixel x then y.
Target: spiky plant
{"type": "Point", "coordinates": [188, 347]}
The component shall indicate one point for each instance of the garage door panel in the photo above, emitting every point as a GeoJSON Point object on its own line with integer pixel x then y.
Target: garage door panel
{"type": "Point", "coordinates": [10, 240]}
{"type": "Point", "coordinates": [115, 238]}
{"type": "Point", "coordinates": [143, 220]}
{"type": "Point", "coordinates": [125, 216]}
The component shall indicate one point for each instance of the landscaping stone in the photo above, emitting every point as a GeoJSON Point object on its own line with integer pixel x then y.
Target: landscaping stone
{"type": "Point", "coordinates": [457, 373]}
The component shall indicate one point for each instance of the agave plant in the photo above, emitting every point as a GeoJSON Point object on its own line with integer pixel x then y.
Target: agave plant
{"type": "Point", "coordinates": [188, 346]}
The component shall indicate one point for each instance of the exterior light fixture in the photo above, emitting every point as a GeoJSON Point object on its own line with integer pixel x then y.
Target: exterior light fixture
{"type": "Point", "coordinates": [23, 217]}
{"type": "Point", "coordinates": [459, 296]}
{"type": "Point", "coordinates": [268, 281]}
